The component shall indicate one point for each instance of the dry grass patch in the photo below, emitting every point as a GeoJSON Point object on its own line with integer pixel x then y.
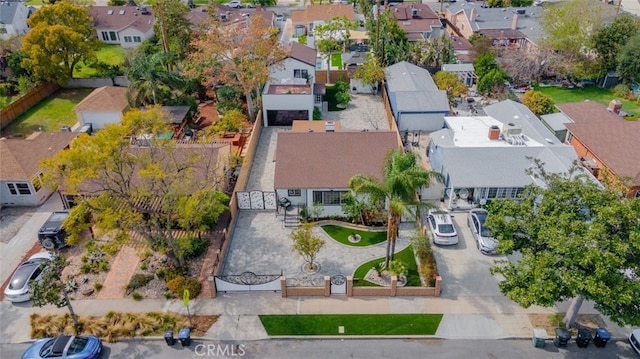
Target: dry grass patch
{"type": "Point", "coordinates": [116, 325]}
{"type": "Point", "coordinates": [551, 321]}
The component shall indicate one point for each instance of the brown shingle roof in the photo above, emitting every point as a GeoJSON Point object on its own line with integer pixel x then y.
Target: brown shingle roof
{"type": "Point", "coordinates": [329, 159]}
{"type": "Point", "coordinates": [20, 158]}
{"type": "Point", "coordinates": [303, 53]}
{"type": "Point", "coordinates": [587, 111]}
{"type": "Point", "coordinates": [105, 99]}
{"type": "Point", "coordinates": [615, 143]}
{"type": "Point", "coordinates": [200, 17]}
{"type": "Point", "coordinates": [424, 20]}
{"type": "Point", "coordinates": [323, 12]}
{"type": "Point", "coordinates": [110, 17]}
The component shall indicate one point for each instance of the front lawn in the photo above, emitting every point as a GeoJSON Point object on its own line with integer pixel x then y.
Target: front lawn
{"type": "Point", "coordinates": [108, 54]}
{"type": "Point", "coordinates": [354, 324]}
{"type": "Point", "coordinates": [330, 97]}
{"type": "Point", "coordinates": [405, 255]}
{"type": "Point", "coordinates": [341, 234]}
{"type": "Point", "coordinates": [561, 95]}
{"type": "Point", "coordinates": [49, 114]}
{"type": "Point", "coordinates": [336, 61]}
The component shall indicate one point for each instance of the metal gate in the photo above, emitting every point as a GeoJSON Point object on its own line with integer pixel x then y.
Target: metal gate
{"type": "Point", "coordinates": [256, 200]}
{"type": "Point", "coordinates": [248, 282]}
{"type": "Point", "coordinates": [338, 284]}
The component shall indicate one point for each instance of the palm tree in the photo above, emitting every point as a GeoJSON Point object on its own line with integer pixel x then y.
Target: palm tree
{"type": "Point", "coordinates": [148, 72]}
{"type": "Point", "coordinates": [402, 176]}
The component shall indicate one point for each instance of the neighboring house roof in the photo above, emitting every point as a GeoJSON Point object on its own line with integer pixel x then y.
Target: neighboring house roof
{"type": "Point", "coordinates": [587, 111]}
{"type": "Point", "coordinates": [121, 17]}
{"type": "Point", "coordinates": [327, 160]}
{"type": "Point", "coordinates": [509, 111]}
{"type": "Point", "coordinates": [9, 10]}
{"type": "Point", "coordinates": [176, 114]}
{"type": "Point", "coordinates": [458, 67]}
{"type": "Point", "coordinates": [415, 89]}
{"type": "Point", "coordinates": [21, 157]}
{"type": "Point", "coordinates": [303, 53]}
{"type": "Point", "coordinates": [105, 99]}
{"type": "Point", "coordinates": [424, 19]}
{"type": "Point", "coordinates": [323, 12]}
{"type": "Point", "coordinates": [556, 121]}
{"type": "Point", "coordinates": [227, 15]}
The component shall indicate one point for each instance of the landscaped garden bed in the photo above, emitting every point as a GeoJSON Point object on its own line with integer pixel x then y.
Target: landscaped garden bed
{"type": "Point", "coordinates": [405, 256]}
{"type": "Point", "coordinates": [345, 235]}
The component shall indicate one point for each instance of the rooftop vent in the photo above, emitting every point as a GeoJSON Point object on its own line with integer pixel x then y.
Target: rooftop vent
{"type": "Point", "coordinates": [521, 11]}
{"type": "Point", "coordinates": [511, 129]}
{"type": "Point", "coordinates": [144, 10]}
{"type": "Point", "coordinates": [121, 12]}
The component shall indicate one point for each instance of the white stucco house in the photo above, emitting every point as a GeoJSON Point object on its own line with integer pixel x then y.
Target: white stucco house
{"type": "Point", "coordinates": [486, 157]}
{"type": "Point", "coordinates": [291, 92]}
{"type": "Point", "coordinates": [103, 106]}
{"type": "Point", "coordinates": [127, 26]}
{"type": "Point", "coordinates": [13, 19]}
{"type": "Point", "coordinates": [314, 167]}
{"type": "Point", "coordinates": [416, 102]}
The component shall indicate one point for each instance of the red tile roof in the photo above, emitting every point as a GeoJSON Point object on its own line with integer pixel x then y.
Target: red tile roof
{"type": "Point", "coordinates": [329, 159]}
{"type": "Point", "coordinates": [120, 17]}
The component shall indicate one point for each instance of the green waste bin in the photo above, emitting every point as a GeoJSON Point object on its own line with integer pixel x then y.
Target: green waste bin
{"type": "Point", "coordinates": [540, 336]}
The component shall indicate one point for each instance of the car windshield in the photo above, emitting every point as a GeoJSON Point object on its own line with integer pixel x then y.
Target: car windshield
{"type": "Point", "coordinates": [484, 231]}
{"type": "Point", "coordinates": [78, 345]}
{"type": "Point", "coordinates": [446, 228]}
{"type": "Point", "coordinates": [21, 276]}
{"type": "Point", "coordinates": [634, 340]}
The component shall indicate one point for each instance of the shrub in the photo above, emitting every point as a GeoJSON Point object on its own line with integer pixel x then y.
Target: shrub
{"type": "Point", "coordinates": [97, 286]}
{"type": "Point", "coordinates": [621, 90]}
{"type": "Point", "coordinates": [139, 281]}
{"type": "Point", "coordinates": [167, 274]}
{"type": "Point", "coordinates": [317, 114]}
{"type": "Point", "coordinates": [144, 266]}
{"type": "Point", "coordinates": [191, 247]}
{"type": "Point", "coordinates": [136, 296]}
{"type": "Point", "coordinates": [178, 284]}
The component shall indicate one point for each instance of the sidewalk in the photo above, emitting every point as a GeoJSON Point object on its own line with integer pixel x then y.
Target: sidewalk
{"type": "Point", "coordinates": [464, 317]}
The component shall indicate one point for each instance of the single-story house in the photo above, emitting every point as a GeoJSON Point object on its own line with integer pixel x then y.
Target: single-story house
{"type": "Point", "coordinates": [315, 167]}
{"type": "Point", "coordinates": [20, 174]}
{"type": "Point", "coordinates": [604, 141]}
{"type": "Point", "coordinates": [351, 61]}
{"type": "Point", "coordinates": [304, 21]}
{"type": "Point", "coordinates": [13, 19]}
{"type": "Point", "coordinates": [291, 92]}
{"type": "Point", "coordinates": [103, 106]}
{"type": "Point", "coordinates": [486, 157]}
{"type": "Point", "coordinates": [465, 72]}
{"type": "Point", "coordinates": [127, 26]}
{"type": "Point", "coordinates": [416, 102]}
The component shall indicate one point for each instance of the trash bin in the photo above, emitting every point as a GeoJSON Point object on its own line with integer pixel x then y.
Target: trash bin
{"type": "Point", "coordinates": [185, 336]}
{"type": "Point", "coordinates": [601, 338]}
{"type": "Point", "coordinates": [168, 337]}
{"type": "Point", "coordinates": [562, 337]}
{"type": "Point", "coordinates": [539, 337]}
{"type": "Point", "coordinates": [583, 338]}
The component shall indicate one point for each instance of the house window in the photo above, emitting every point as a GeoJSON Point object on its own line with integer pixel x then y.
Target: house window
{"type": "Point", "coordinates": [318, 99]}
{"type": "Point", "coordinates": [493, 191]}
{"type": "Point", "coordinates": [113, 36]}
{"type": "Point", "coordinates": [37, 182]}
{"type": "Point", "coordinates": [105, 36]}
{"type": "Point", "coordinates": [137, 39]}
{"type": "Point", "coordinates": [329, 198]}
{"type": "Point", "coordinates": [294, 193]}
{"type": "Point", "coordinates": [127, 39]}
{"type": "Point", "coordinates": [300, 74]}
{"type": "Point", "coordinates": [19, 188]}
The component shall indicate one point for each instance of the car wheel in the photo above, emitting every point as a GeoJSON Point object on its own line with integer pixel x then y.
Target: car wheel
{"type": "Point", "coordinates": [47, 243]}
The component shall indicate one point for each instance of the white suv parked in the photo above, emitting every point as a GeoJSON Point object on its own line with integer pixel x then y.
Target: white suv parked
{"type": "Point", "coordinates": [442, 228]}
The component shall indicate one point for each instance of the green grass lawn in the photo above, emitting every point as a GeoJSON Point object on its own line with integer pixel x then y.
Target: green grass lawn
{"type": "Point", "coordinates": [341, 234]}
{"type": "Point", "coordinates": [405, 255]}
{"type": "Point", "coordinates": [330, 97]}
{"type": "Point", "coordinates": [354, 324]}
{"type": "Point", "coordinates": [593, 93]}
{"type": "Point", "coordinates": [336, 60]}
{"type": "Point", "coordinates": [109, 54]}
{"type": "Point", "coordinates": [49, 114]}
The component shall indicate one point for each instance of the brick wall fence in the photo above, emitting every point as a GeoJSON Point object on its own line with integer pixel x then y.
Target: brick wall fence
{"type": "Point", "coordinates": [355, 291]}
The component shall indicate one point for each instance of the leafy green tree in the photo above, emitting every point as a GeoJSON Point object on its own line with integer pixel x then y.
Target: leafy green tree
{"type": "Point", "coordinates": [61, 36]}
{"type": "Point", "coordinates": [265, 3]}
{"type": "Point", "coordinates": [609, 40]}
{"type": "Point", "coordinates": [629, 60]}
{"type": "Point", "coordinates": [391, 45]}
{"type": "Point", "coordinates": [538, 103]}
{"type": "Point", "coordinates": [149, 77]}
{"type": "Point", "coordinates": [485, 63]}
{"type": "Point", "coordinates": [370, 73]}
{"type": "Point", "coordinates": [51, 289]}
{"type": "Point", "coordinates": [333, 36]}
{"type": "Point", "coordinates": [492, 81]}
{"type": "Point", "coordinates": [176, 24]}
{"type": "Point", "coordinates": [306, 244]}
{"type": "Point", "coordinates": [360, 209]}
{"type": "Point", "coordinates": [508, 3]}
{"type": "Point", "coordinates": [403, 177]}
{"type": "Point", "coordinates": [450, 82]}
{"type": "Point", "coordinates": [150, 190]}
{"type": "Point", "coordinates": [433, 52]}
{"type": "Point", "coordinates": [576, 240]}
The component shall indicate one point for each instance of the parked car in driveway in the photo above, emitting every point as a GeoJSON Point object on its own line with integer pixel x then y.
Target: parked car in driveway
{"type": "Point", "coordinates": [484, 242]}
{"type": "Point", "coordinates": [442, 228]}
{"type": "Point", "coordinates": [236, 4]}
{"type": "Point", "coordinates": [634, 340]}
{"type": "Point", "coordinates": [18, 289]}
{"type": "Point", "coordinates": [65, 347]}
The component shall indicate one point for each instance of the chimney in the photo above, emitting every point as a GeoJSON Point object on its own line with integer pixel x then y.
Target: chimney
{"type": "Point", "coordinates": [614, 106]}
{"type": "Point", "coordinates": [330, 126]}
{"type": "Point", "coordinates": [514, 22]}
{"type": "Point", "coordinates": [473, 15]}
{"type": "Point", "coordinates": [494, 132]}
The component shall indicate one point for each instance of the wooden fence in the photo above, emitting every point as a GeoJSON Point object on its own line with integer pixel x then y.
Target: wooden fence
{"type": "Point", "coordinates": [19, 106]}
{"type": "Point", "coordinates": [334, 75]}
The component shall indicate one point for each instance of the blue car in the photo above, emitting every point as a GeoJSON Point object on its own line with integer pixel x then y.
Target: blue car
{"type": "Point", "coordinates": [65, 347]}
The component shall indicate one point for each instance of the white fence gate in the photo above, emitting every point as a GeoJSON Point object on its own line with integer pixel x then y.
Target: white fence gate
{"type": "Point", "coordinates": [338, 284]}
{"type": "Point", "coordinates": [248, 282]}
{"type": "Point", "coordinates": [256, 200]}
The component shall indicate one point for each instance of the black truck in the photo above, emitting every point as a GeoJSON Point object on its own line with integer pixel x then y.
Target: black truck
{"type": "Point", "coordinates": [51, 235]}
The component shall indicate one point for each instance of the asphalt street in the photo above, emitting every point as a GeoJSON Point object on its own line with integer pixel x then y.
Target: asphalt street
{"type": "Point", "coordinates": [356, 348]}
